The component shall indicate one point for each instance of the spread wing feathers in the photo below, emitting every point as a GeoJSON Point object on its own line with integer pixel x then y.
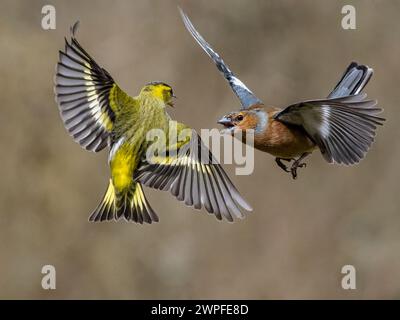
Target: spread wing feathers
{"type": "Point", "coordinates": [246, 97]}
{"type": "Point", "coordinates": [82, 90]}
{"type": "Point", "coordinates": [343, 128]}
{"type": "Point", "coordinates": [194, 176]}
{"type": "Point", "coordinates": [131, 205]}
{"type": "Point", "coordinates": [354, 79]}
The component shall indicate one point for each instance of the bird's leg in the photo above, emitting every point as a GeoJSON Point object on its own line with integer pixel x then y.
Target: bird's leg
{"type": "Point", "coordinates": [282, 165]}
{"type": "Point", "coordinates": [298, 164]}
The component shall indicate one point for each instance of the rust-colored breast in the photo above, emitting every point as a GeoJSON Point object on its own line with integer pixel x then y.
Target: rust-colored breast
{"type": "Point", "coordinates": [281, 140]}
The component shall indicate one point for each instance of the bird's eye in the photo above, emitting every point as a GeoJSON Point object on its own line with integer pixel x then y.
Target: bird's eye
{"type": "Point", "coordinates": [239, 117]}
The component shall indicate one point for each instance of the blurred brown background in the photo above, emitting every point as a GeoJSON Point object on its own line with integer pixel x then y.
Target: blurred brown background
{"type": "Point", "coordinates": [301, 232]}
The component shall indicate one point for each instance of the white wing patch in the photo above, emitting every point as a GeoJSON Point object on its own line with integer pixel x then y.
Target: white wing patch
{"type": "Point", "coordinates": [239, 83]}
{"type": "Point", "coordinates": [246, 97]}
{"type": "Point", "coordinates": [324, 127]}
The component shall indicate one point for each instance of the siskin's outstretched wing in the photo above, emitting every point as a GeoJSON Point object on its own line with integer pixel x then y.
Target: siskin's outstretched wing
{"type": "Point", "coordinates": [194, 176]}
{"type": "Point", "coordinates": [246, 97]}
{"type": "Point", "coordinates": [87, 96]}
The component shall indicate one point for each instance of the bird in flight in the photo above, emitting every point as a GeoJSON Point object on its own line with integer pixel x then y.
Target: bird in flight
{"type": "Point", "coordinates": [342, 126]}
{"type": "Point", "coordinates": [97, 113]}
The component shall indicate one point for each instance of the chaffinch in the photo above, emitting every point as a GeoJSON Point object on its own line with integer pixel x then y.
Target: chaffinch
{"type": "Point", "coordinates": [342, 126]}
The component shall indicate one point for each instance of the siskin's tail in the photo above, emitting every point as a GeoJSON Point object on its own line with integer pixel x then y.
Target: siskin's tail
{"type": "Point", "coordinates": [131, 205]}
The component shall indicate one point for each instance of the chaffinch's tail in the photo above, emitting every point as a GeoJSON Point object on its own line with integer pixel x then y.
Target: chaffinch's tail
{"type": "Point", "coordinates": [353, 81]}
{"type": "Point", "coordinates": [130, 204]}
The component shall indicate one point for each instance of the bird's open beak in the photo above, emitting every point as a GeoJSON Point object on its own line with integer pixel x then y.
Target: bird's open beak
{"type": "Point", "coordinates": [171, 103]}
{"type": "Point", "coordinates": [229, 126]}
{"type": "Point", "coordinates": [226, 122]}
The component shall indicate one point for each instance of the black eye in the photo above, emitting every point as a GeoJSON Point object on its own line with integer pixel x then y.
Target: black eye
{"type": "Point", "coordinates": [239, 117]}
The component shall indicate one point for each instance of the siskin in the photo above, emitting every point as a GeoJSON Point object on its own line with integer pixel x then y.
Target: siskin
{"type": "Point", "coordinates": [97, 113]}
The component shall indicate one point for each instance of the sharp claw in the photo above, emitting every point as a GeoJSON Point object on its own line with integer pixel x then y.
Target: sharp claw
{"type": "Point", "coordinates": [298, 164]}
{"type": "Point", "coordinates": [294, 167]}
{"type": "Point", "coordinates": [294, 173]}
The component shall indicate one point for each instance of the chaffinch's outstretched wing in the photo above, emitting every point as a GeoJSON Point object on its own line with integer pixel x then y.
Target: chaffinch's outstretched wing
{"type": "Point", "coordinates": [190, 172]}
{"type": "Point", "coordinates": [87, 96]}
{"type": "Point", "coordinates": [343, 128]}
{"type": "Point", "coordinates": [343, 125]}
{"type": "Point", "coordinates": [246, 97]}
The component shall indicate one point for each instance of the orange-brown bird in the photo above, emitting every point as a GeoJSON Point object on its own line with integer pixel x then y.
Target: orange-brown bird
{"type": "Point", "coordinates": [342, 125]}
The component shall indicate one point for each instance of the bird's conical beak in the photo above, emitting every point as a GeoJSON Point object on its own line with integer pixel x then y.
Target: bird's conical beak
{"type": "Point", "coordinates": [225, 121]}
{"type": "Point", "coordinates": [171, 103]}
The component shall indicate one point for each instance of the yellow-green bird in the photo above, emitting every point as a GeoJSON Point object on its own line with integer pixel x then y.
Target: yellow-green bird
{"type": "Point", "coordinates": [97, 113]}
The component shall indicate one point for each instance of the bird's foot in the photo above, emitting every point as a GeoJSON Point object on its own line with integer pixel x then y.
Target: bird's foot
{"type": "Point", "coordinates": [297, 164]}
{"type": "Point", "coordinates": [281, 164]}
